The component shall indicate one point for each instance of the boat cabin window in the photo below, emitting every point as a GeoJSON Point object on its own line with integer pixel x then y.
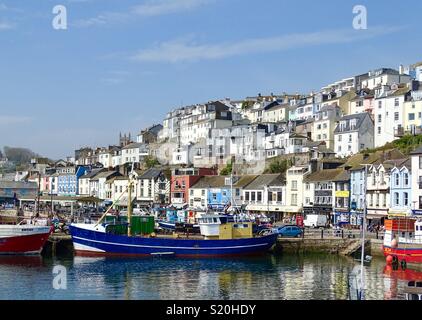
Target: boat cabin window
{"type": "Point", "coordinates": [411, 284]}
{"type": "Point", "coordinates": [419, 284]}
{"type": "Point", "coordinates": [414, 297]}
{"type": "Point", "coordinates": [403, 234]}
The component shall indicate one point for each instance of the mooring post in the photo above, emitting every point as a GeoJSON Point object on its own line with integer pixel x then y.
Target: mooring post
{"type": "Point", "coordinates": [322, 233]}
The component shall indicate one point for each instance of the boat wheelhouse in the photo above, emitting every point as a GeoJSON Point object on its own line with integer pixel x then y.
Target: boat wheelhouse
{"type": "Point", "coordinates": [403, 240]}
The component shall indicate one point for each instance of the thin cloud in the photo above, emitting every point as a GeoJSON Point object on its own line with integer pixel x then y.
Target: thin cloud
{"type": "Point", "coordinates": [147, 9]}
{"type": "Point", "coordinates": [185, 50]}
{"type": "Point", "coordinates": [6, 26]}
{"type": "Point", "coordinates": [164, 7]}
{"type": "Point", "coordinates": [13, 120]}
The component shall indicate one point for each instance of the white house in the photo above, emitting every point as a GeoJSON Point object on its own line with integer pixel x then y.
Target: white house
{"type": "Point", "coordinates": [353, 134]}
{"type": "Point", "coordinates": [152, 186]}
{"type": "Point", "coordinates": [416, 164]}
{"type": "Point", "coordinates": [389, 113]}
{"type": "Point", "coordinates": [384, 77]}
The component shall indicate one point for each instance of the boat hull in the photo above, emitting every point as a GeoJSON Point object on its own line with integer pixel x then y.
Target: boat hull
{"type": "Point", "coordinates": [94, 242]}
{"type": "Point", "coordinates": [411, 254]}
{"type": "Point", "coordinates": [23, 244]}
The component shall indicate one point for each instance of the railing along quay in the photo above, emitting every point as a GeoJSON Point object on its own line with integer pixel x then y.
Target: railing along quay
{"type": "Point", "coordinates": [340, 233]}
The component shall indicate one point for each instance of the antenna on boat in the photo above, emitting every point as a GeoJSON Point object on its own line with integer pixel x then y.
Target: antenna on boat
{"type": "Point", "coordinates": [362, 275]}
{"type": "Point", "coordinates": [129, 202]}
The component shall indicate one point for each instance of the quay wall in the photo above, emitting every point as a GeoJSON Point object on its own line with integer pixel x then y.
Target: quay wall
{"type": "Point", "coordinates": [332, 246]}
{"type": "Point", "coordinates": [62, 244]}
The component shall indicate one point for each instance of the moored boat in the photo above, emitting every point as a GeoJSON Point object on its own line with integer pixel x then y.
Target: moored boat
{"type": "Point", "coordinates": [226, 238]}
{"type": "Point", "coordinates": [23, 238]}
{"type": "Point", "coordinates": [403, 240]}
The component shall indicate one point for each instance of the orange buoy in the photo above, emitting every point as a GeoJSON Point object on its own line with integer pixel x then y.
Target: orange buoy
{"type": "Point", "coordinates": [394, 243]}
{"type": "Point", "coordinates": [389, 259]}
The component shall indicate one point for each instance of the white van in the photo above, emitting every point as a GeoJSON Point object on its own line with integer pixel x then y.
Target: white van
{"type": "Point", "coordinates": [315, 221]}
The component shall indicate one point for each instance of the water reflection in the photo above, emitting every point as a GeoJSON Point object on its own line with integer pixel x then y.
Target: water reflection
{"type": "Point", "coordinates": [290, 277]}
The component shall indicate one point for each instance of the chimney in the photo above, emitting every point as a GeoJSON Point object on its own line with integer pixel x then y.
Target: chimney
{"type": "Point", "coordinates": [401, 69]}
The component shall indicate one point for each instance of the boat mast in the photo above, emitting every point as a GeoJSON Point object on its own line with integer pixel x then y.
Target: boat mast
{"type": "Point", "coordinates": [129, 208]}
{"type": "Point", "coordinates": [129, 203]}
{"type": "Point", "coordinates": [362, 290]}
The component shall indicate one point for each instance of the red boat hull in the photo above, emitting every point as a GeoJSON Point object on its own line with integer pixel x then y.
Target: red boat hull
{"type": "Point", "coordinates": [410, 255]}
{"type": "Point", "coordinates": [31, 244]}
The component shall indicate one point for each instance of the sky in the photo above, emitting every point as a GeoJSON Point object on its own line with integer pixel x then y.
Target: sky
{"type": "Point", "coordinates": [121, 65]}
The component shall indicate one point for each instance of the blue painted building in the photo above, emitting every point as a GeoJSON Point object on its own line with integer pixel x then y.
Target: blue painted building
{"type": "Point", "coordinates": [357, 194]}
{"type": "Point", "coordinates": [401, 190]}
{"type": "Point", "coordinates": [214, 192]}
{"type": "Point", "coordinates": [68, 179]}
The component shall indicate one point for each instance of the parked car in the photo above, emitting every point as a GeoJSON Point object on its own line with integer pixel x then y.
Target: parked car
{"type": "Point", "coordinates": [289, 231]}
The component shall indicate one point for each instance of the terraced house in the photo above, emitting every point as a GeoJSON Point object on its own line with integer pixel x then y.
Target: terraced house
{"type": "Point", "coordinates": [400, 189]}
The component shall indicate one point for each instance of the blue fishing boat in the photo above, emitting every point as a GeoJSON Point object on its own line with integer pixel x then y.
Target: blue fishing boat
{"type": "Point", "coordinates": [218, 237]}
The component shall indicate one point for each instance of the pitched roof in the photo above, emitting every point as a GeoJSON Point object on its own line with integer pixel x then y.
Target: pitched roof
{"type": "Point", "coordinates": [91, 174]}
{"type": "Point", "coordinates": [357, 161]}
{"type": "Point", "coordinates": [360, 118]}
{"type": "Point", "coordinates": [324, 175]}
{"type": "Point", "coordinates": [150, 173]}
{"type": "Point", "coordinates": [210, 182]}
{"type": "Point", "coordinates": [265, 180]}
{"type": "Point", "coordinates": [418, 150]}
{"type": "Point", "coordinates": [105, 174]}
{"type": "Point", "coordinates": [134, 145]}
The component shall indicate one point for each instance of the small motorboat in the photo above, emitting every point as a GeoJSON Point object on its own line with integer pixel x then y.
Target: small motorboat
{"type": "Point", "coordinates": [367, 260]}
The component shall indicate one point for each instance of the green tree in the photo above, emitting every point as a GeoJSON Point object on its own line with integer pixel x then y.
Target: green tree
{"type": "Point", "coordinates": [278, 166]}
{"type": "Point", "coordinates": [227, 170]}
{"type": "Point", "coordinates": [151, 162]}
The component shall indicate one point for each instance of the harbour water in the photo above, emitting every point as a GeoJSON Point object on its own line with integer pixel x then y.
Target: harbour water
{"type": "Point", "coordinates": [268, 277]}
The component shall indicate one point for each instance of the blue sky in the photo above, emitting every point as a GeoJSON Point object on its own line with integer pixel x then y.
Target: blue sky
{"type": "Point", "coordinates": [122, 64]}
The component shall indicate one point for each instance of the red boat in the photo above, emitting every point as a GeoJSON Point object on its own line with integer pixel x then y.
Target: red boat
{"type": "Point", "coordinates": [23, 238]}
{"type": "Point", "coordinates": [403, 240]}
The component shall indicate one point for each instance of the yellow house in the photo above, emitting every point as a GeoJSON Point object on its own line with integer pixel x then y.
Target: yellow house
{"type": "Point", "coordinates": [344, 101]}
{"type": "Point", "coordinates": [412, 117]}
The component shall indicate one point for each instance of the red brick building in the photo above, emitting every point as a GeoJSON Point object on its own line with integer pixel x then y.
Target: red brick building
{"type": "Point", "coordinates": [182, 179]}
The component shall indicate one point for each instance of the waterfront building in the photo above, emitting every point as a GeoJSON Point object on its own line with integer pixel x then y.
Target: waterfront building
{"type": "Point", "coordinates": [353, 134]}
{"type": "Point", "coordinates": [86, 187]}
{"type": "Point", "coordinates": [295, 189]}
{"type": "Point", "coordinates": [215, 192]}
{"type": "Point", "coordinates": [152, 186]}
{"type": "Point", "coordinates": [400, 189]}
{"type": "Point", "coordinates": [182, 180]}
{"type": "Point", "coordinates": [342, 198]}
{"type": "Point", "coordinates": [357, 163]}
{"type": "Point", "coordinates": [266, 194]}
{"type": "Point", "coordinates": [416, 178]}
{"type": "Point", "coordinates": [12, 191]}
{"type": "Point", "coordinates": [378, 190]}
{"type": "Point", "coordinates": [68, 179]}
{"type": "Point", "coordinates": [322, 184]}
{"type": "Point", "coordinates": [325, 123]}
{"type": "Point", "coordinates": [117, 188]}
{"type": "Point", "coordinates": [389, 112]}
{"type": "Point", "coordinates": [98, 186]}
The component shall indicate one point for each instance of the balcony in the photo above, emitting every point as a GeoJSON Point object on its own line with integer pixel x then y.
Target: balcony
{"type": "Point", "coordinates": [399, 132]}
